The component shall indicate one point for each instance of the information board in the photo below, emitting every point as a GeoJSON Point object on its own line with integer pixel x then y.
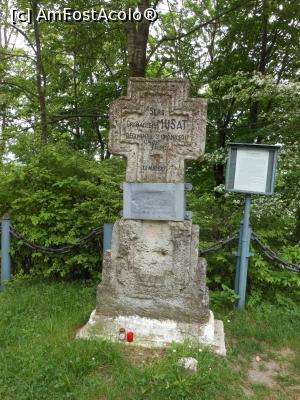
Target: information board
{"type": "Point", "coordinates": [251, 168]}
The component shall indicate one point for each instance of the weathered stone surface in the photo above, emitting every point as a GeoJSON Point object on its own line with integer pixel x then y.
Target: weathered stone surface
{"type": "Point", "coordinates": [188, 363]}
{"type": "Point", "coordinates": [154, 271]}
{"type": "Point", "coordinates": [157, 127]}
{"type": "Point", "coordinates": [150, 332]}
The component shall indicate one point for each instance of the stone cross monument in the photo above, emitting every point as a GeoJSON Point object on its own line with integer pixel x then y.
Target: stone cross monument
{"type": "Point", "coordinates": [153, 281]}
{"type": "Point", "coordinates": [157, 127]}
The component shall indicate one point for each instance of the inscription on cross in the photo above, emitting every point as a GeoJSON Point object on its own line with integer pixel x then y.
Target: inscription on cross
{"type": "Point", "coordinates": [157, 127]}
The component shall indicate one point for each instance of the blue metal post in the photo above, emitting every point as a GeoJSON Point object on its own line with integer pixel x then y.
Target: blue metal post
{"type": "Point", "coordinates": [238, 261]}
{"type": "Point", "coordinates": [244, 254]}
{"type": "Point", "coordinates": [107, 236]}
{"type": "Point", "coordinates": [5, 247]}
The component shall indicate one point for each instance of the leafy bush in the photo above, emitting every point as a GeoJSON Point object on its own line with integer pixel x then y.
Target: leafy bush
{"type": "Point", "coordinates": [54, 196]}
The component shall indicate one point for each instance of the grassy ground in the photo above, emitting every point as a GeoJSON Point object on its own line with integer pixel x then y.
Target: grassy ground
{"type": "Point", "coordinates": [39, 358]}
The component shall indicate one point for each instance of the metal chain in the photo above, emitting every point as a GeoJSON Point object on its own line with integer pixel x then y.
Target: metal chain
{"type": "Point", "coordinates": [221, 243]}
{"type": "Point", "coordinates": [51, 250]}
{"type": "Point", "coordinates": [272, 256]}
{"type": "Point", "coordinates": [266, 251]}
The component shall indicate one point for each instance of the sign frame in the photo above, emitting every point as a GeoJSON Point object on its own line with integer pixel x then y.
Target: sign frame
{"type": "Point", "coordinates": [233, 149]}
{"type": "Point", "coordinates": [155, 201]}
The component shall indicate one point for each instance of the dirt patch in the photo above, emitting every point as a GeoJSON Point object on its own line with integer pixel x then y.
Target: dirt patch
{"type": "Point", "coordinates": [144, 355]}
{"type": "Point", "coordinates": [271, 370]}
{"type": "Point", "coordinates": [285, 354]}
{"type": "Point", "coordinates": [263, 372]}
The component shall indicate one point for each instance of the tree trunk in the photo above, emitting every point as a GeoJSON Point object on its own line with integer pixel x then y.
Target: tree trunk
{"type": "Point", "coordinates": [222, 134]}
{"type": "Point", "coordinates": [75, 87]}
{"type": "Point", "coordinates": [5, 41]}
{"type": "Point", "coordinates": [137, 39]}
{"type": "Point", "coordinates": [40, 75]}
{"type": "Point", "coordinates": [219, 167]}
{"type": "Point", "coordinates": [254, 109]}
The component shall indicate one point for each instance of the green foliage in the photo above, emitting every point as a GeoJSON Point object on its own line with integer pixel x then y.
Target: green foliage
{"type": "Point", "coordinates": [54, 197]}
{"type": "Point", "coordinates": [40, 360]}
{"type": "Point", "coordinates": [220, 299]}
{"type": "Point", "coordinates": [245, 63]}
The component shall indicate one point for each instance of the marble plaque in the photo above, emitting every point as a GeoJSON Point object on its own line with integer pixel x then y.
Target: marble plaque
{"type": "Point", "coordinates": [154, 201]}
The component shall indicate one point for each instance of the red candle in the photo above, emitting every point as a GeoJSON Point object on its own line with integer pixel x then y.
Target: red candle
{"type": "Point", "coordinates": [129, 336]}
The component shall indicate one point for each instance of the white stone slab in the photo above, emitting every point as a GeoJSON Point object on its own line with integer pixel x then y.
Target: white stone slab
{"type": "Point", "coordinates": [153, 333]}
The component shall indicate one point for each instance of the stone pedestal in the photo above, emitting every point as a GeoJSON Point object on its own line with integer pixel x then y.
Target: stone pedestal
{"type": "Point", "coordinates": [154, 271]}
{"type": "Point", "coordinates": [153, 283]}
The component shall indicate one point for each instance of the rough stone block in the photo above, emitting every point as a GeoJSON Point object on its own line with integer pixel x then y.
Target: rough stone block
{"type": "Point", "coordinates": [188, 363]}
{"type": "Point", "coordinates": [154, 271]}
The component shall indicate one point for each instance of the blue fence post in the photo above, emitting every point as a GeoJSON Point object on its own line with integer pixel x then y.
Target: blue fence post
{"type": "Point", "coordinates": [107, 237]}
{"type": "Point", "coordinates": [5, 247]}
{"type": "Point", "coordinates": [243, 252]}
{"type": "Point", "coordinates": [238, 262]}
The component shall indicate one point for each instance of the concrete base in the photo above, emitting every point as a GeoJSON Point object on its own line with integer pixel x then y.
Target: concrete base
{"type": "Point", "coordinates": [153, 333]}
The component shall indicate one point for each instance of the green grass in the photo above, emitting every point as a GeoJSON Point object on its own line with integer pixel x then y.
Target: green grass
{"type": "Point", "coordinates": [39, 358]}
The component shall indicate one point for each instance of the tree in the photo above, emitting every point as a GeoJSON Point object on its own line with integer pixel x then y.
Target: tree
{"type": "Point", "coordinates": [137, 40]}
{"type": "Point", "coordinates": [41, 79]}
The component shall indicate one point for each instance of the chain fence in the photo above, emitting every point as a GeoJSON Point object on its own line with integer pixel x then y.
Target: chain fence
{"type": "Point", "coordinates": [264, 249]}
{"type": "Point", "coordinates": [272, 256]}
{"type": "Point", "coordinates": [220, 244]}
{"type": "Point", "coordinates": [51, 250]}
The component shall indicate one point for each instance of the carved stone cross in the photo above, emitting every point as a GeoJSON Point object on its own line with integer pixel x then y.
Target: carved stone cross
{"type": "Point", "coordinates": [157, 127]}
